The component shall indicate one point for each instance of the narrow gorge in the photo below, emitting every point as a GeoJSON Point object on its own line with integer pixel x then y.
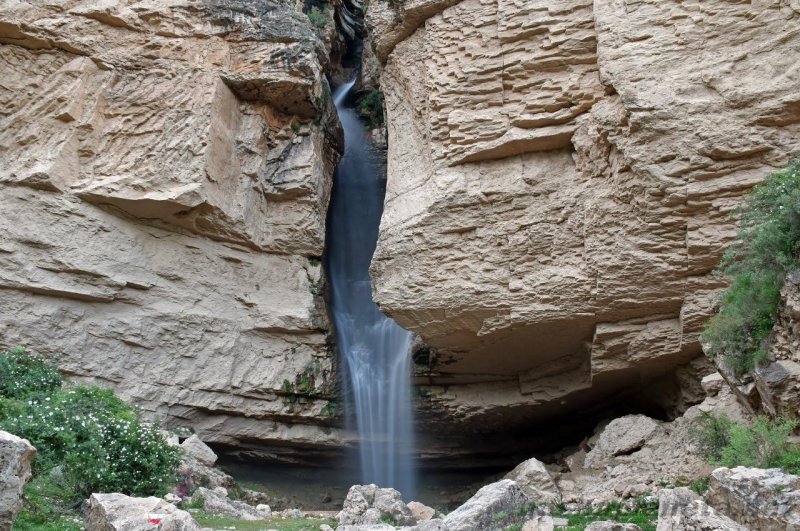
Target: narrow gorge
{"type": "Point", "coordinates": [405, 242]}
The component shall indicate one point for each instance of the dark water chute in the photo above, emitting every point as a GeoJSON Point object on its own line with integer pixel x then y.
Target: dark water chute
{"type": "Point", "coordinates": [373, 348]}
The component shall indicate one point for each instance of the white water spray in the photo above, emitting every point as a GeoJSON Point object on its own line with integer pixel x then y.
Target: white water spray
{"type": "Point", "coordinates": [374, 349]}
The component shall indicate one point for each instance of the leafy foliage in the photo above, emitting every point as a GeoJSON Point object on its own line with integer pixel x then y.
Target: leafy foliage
{"type": "Point", "coordinates": [317, 17]}
{"type": "Point", "coordinates": [370, 107]}
{"type": "Point", "coordinates": [764, 444]}
{"type": "Point", "coordinates": [88, 440]}
{"type": "Point", "coordinates": [766, 249]}
{"type": "Point", "coordinates": [23, 375]}
{"type": "Point", "coordinates": [643, 513]}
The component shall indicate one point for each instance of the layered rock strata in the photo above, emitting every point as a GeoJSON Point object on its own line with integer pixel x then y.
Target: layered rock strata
{"type": "Point", "coordinates": [165, 176]}
{"type": "Point", "coordinates": [560, 181]}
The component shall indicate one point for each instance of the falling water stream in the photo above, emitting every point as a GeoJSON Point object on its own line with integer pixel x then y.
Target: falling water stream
{"type": "Point", "coordinates": [374, 349]}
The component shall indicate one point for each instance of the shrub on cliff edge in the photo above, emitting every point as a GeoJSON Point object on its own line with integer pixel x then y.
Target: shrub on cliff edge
{"type": "Point", "coordinates": [763, 444]}
{"type": "Point", "coordinates": [766, 249]}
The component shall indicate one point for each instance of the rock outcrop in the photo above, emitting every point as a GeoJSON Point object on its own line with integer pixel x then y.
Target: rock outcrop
{"type": "Point", "coordinates": [117, 512]}
{"type": "Point", "coordinates": [165, 175]}
{"type": "Point", "coordinates": [767, 500]}
{"type": "Point", "coordinates": [368, 505]}
{"type": "Point", "coordinates": [535, 481]}
{"type": "Point", "coordinates": [636, 456]}
{"type": "Point", "coordinates": [560, 179]}
{"type": "Point", "coordinates": [16, 456]}
{"type": "Point", "coordinates": [773, 386]}
{"type": "Point", "coordinates": [494, 506]}
{"type": "Point", "coordinates": [683, 510]}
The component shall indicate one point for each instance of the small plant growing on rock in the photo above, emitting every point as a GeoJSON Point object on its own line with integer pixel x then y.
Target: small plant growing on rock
{"type": "Point", "coordinates": [370, 107]}
{"type": "Point", "coordinates": [767, 248]}
{"type": "Point", "coordinates": [317, 17]}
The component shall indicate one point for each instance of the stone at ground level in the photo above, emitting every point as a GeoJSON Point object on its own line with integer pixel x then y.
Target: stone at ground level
{"type": "Point", "coordinates": [420, 511]}
{"type": "Point", "coordinates": [117, 512]}
{"type": "Point", "coordinates": [539, 523]}
{"type": "Point", "coordinates": [16, 455]}
{"type": "Point", "coordinates": [763, 499]}
{"type": "Point", "coordinates": [535, 481]}
{"type": "Point", "coordinates": [483, 510]}
{"type": "Point", "coordinates": [605, 525]}
{"type": "Point", "coordinates": [681, 509]}
{"type": "Point", "coordinates": [216, 501]}
{"type": "Point", "coordinates": [371, 505]}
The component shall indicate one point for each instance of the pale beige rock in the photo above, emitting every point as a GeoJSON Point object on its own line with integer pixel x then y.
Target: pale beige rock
{"type": "Point", "coordinates": [479, 511]}
{"type": "Point", "coordinates": [622, 436]}
{"type": "Point", "coordinates": [767, 500]}
{"type": "Point", "coordinates": [683, 510]}
{"type": "Point", "coordinates": [16, 457]}
{"type": "Point", "coordinates": [117, 512]}
{"type": "Point", "coordinates": [164, 177]}
{"type": "Point", "coordinates": [712, 384]}
{"type": "Point", "coordinates": [626, 467]}
{"type": "Point", "coordinates": [199, 450]}
{"type": "Point", "coordinates": [420, 511]}
{"type": "Point", "coordinates": [535, 481]}
{"type": "Point", "coordinates": [560, 178]}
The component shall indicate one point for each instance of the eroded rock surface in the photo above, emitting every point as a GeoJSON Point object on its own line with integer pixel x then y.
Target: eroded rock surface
{"type": "Point", "coordinates": [165, 175]}
{"type": "Point", "coordinates": [16, 457]}
{"type": "Point", "coordinates": [369, 505]}
{"type": "Point", "coordinates": [561, 175]}
{"type": "Point", "coordinates": [767, 500]}
{"type": "Point", "coordinates": [683, 510]}
{"type": "Point", "coordinates": [117, 512]}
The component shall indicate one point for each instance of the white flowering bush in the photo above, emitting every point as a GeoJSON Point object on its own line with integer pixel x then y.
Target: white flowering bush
{"type": "Point", "coordinates": [99, 442]}
{"type": "Point", "coordinates": [22, 375]}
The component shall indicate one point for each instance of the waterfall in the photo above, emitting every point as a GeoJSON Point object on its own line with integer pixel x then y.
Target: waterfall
{"type": "Point", "coordinates": [374, 349]}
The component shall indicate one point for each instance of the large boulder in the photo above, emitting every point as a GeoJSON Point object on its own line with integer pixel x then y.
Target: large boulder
{"type": "Point", "coordinates": [199, 450]}
{"type": "Point", "coordinates": [763, 499]}
{"type": "Point", "coordinates": [420, 511]}
{"type": "Point", "coordinates": [16, 455]}
{"type": "Point", "coordinates": [622, 436]}
{"type": "Point", "coordinates": [371, 505]}
{"type": "Point", "coordinates": [534, 480]}
{"type": "Point", "coordinates": [117, 512]}
{"type": "Point", "coordinates": [494, 506]}
{"type": "Point", "coordinates": [683, 510]}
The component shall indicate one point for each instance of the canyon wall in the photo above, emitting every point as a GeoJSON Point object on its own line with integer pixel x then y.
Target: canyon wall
{"type": "Point", "coordinates": [561, 176]}
{"type": "Point", "coordinates": [166, 169]}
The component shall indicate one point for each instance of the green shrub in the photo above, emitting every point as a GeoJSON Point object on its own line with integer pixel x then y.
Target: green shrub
{"type": "Point", "coordinates": [766, 249]}
{"type": "Point", "coordinates": [317, 17]}
{"type": "Point", "coordinates": [94, 441]}
{"type": "Point", "coordinates": [370, 107]}
{"type": "Point", "coordinates": [23, 375]}
{"type": "Point", "coordinates": [764, 444]}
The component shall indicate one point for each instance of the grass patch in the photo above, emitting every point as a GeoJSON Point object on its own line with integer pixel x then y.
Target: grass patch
{"type": "Point", "coordinates": [764, 444]}
{"type": "Point", "coordinates": [766, 249]}
{"type": "Point", "coordinates": [281, 524]}
{"type": "Point", "coordinates": [644, 514]}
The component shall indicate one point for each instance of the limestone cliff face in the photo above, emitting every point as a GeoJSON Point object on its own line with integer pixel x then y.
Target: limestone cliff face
{"type": "Point", "coordinates": [560, 179]}
{"type": "Point", "coordinates": [166, 169]}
